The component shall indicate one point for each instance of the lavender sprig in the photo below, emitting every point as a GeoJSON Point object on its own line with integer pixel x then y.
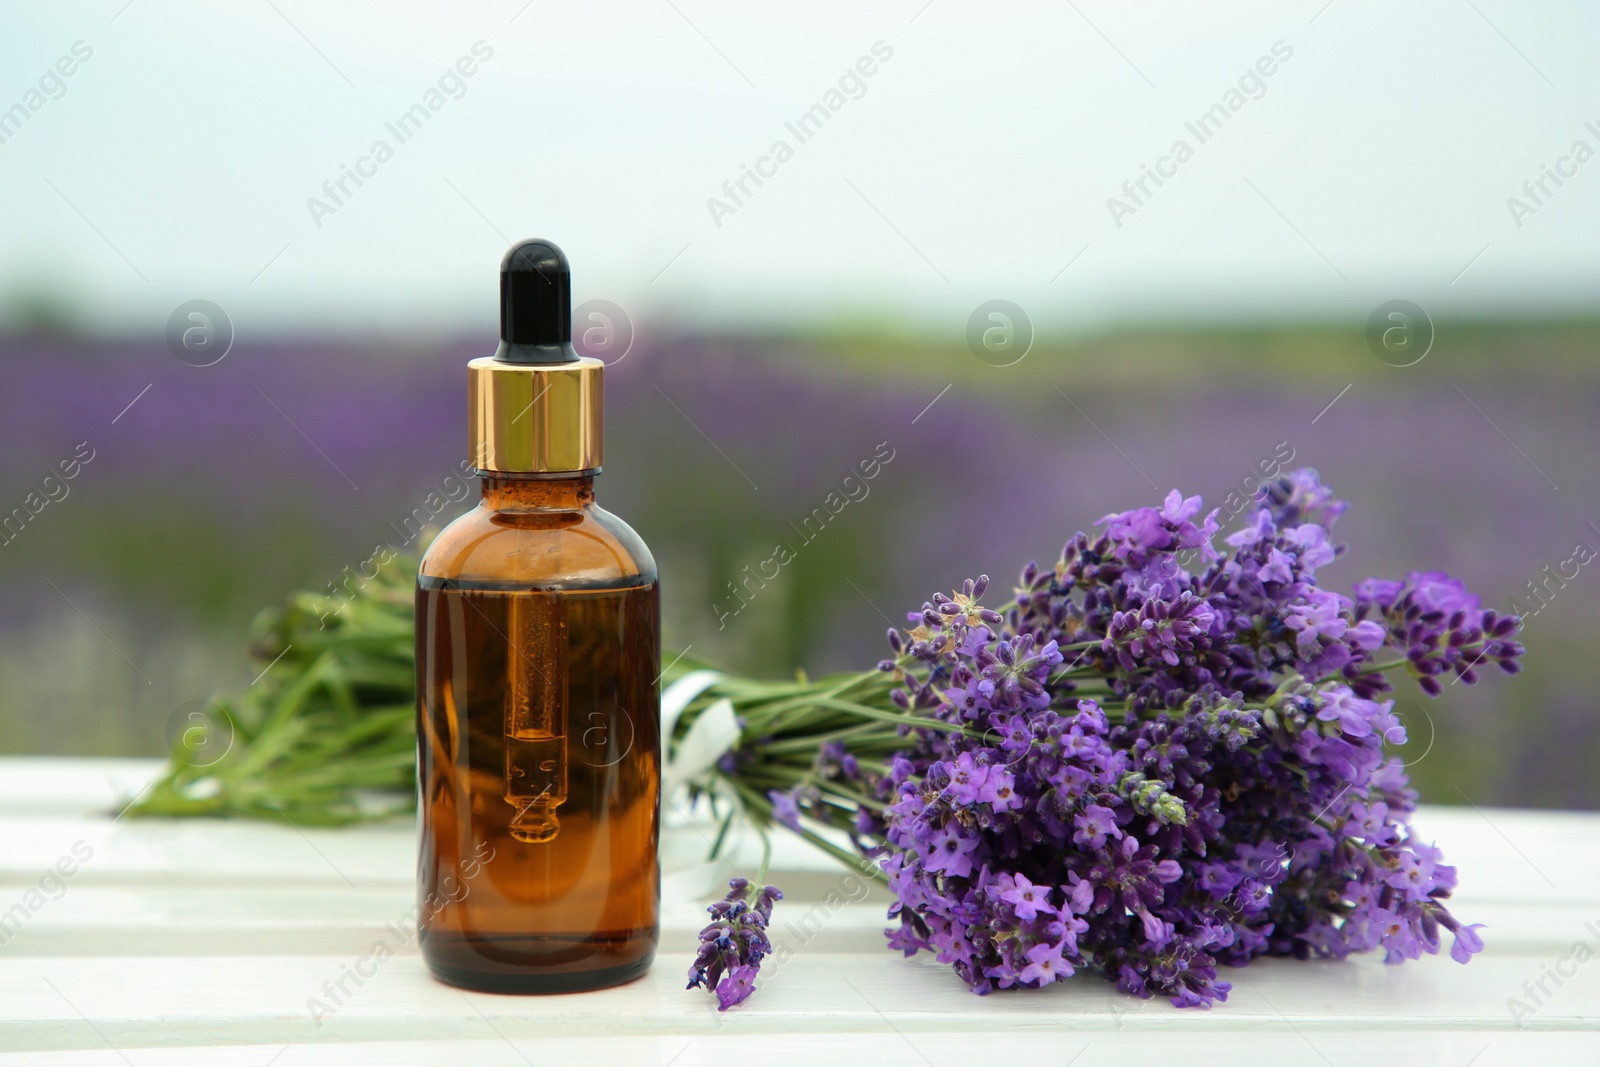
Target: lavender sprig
{"type": "Point", "coordinates": [734, 944]}
{"type": "Point", "coordinates": [1141, 769]}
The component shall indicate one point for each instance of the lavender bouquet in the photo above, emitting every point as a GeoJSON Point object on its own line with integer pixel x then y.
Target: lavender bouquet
{"type": "Point", "coordinates": [1159, 758]}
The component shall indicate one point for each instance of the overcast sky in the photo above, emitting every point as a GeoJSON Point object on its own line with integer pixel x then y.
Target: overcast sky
{"type": "Point", "coordinates": [1358, 152]}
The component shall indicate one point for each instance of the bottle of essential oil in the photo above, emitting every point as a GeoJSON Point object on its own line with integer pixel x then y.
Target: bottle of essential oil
{"type": "Point", "coordinates": [538, 656]}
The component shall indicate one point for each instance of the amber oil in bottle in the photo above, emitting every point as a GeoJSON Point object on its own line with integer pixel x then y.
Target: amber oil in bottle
{"type": "Point", "coordinates": [538, 749]}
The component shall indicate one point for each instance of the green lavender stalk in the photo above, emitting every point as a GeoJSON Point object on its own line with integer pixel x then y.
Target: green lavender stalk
{"type": "Point", "coordinates": [327, 735]}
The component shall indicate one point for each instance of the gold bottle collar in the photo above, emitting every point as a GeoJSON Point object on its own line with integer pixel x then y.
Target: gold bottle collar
{"type": "Point", "coordinates": [536, 418]}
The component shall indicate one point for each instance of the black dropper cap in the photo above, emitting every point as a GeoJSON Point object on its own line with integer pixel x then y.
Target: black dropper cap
{"type": "Point", "coordinates": [535, 305]}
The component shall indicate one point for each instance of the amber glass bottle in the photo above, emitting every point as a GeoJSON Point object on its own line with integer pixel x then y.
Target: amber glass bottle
{"type": "Point", "coordinates": [538, 749]}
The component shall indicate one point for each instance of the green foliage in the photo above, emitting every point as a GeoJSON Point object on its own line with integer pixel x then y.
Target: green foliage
{"type": "Point", "coordinates": [326, 734]}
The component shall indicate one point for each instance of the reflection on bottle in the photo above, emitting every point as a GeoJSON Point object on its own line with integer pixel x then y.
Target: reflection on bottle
{"type": "Point", "coordinates": [535, 725]}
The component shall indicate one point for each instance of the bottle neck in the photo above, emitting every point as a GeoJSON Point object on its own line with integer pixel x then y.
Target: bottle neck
{"type": "Point", "coordinates": [544, 492]}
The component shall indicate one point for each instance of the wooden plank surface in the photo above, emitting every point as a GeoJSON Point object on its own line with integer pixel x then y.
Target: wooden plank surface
{"type": "Point", "coordinates": [177, 942]}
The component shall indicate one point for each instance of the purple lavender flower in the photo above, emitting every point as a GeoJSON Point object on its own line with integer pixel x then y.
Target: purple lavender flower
{"type": "Point", "coordinates": [734, 944]}
{"type": "Point", "coordinates": [1137, 533]}
{"type": "Point", "coordinates": [950, 851]}
{"type": "Point", "coordinates": [1321, 617]}
{"type": "Point", "coordinates": [1442, 629]}
{"type": "Point", "coordinates": [1045, 965]}
{"type": "Point", "coordinates": [785, 809]}
{"type": "Point", "coordinates": [1378, 591]}
{"type": "Point", "coordinates": [1027, 899]}
{"type": "Point", "coordinates": [1191, 763]}
{"type": "Point", "coordinates": [1357, 717]}
{"type": "Point", "coordinates": [1096, 826]}
{"type": "Point", "coordinates": [967, 779]}
{"type": "Point", "coordinates": [997, 790]}
{"type": "Point", "coordinates": [1437, 591]}
{"type": "Point", "coordinates": [1300, 497]}
{"type": "Point", "coordinates": [1466, 943]}
{"type": "Point", "coordinates": [1160, 629]}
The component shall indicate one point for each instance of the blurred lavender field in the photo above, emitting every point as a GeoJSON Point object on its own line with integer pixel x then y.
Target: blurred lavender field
{"type": "Point", "coordinates": [224, 488]}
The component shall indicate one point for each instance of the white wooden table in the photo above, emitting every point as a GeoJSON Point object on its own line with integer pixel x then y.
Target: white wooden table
{"type": "Point", "coordinates": [202, 942]}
